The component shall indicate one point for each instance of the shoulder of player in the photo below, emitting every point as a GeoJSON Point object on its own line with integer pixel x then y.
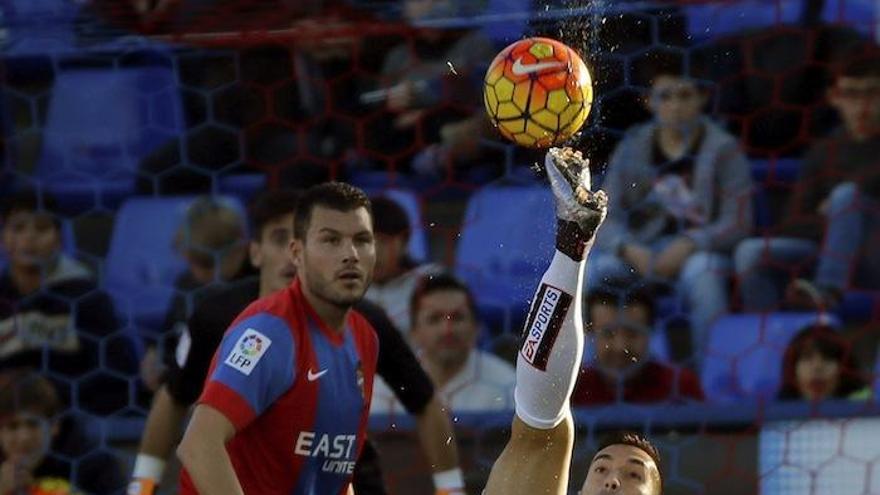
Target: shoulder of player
{"type": "Point", "coordinates": [271, 316]}
{"type": "Point", "coordinates": [277, 305]}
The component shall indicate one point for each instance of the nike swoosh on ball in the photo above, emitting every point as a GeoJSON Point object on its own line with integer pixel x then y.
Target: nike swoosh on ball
{"type": "Point", "coordinates": [520, 70]}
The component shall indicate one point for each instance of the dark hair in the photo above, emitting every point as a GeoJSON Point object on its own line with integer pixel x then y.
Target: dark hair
{"type": "Point", "coordinates": [271, 206]}
{"type": "Point", "coordinates": [27, 391]}
{"type": "Point", "coordinates": [389, 217]}
{"type": "Point", "coordinates": [636, 440]}
{"type": "Point", "coordinates": [635, 295]}
{"type": "Point", "coordinates": [862, 67]}
{"type": "Point", "coordinates": [334, 195]}
{"type": "Point", "coordinates": [828, 342]}
{"type": "Point", "coordinates": [654, 65]}
{"type": "Point", "coordinates": [29, 200]}
{"type": "Point", "coordinates": [435, 283]}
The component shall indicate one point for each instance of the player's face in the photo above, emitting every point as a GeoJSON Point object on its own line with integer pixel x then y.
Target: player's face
{"type": "Point", "coordinates": [444, 327]}
{"type": "Point", "coordinates": [623, 470]}
{"type": "Point", "coordinates": [675, 101]}
{"type": "Point", "coordinates": [270, 254]}
{"type": "Point", "coordinates": [30, 239]}
{"type": "Point", "coordinates": [621, 336]}
{"type": "Point", "coordinates": [337, 258]}
{"type": "Point", "coordinates": [389, 252]}
{"type": "Point", "coordinates": [857, 100]}
{"type": "Point", "coordinates": [25, 438]}
{"type": "Point", "coordinates": [817, 375]}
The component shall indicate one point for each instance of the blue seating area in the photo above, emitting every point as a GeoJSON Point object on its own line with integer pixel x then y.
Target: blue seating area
{"type": "Point", "coordinates": [744, 356]}
{"type": "Point", "coordinates": [506, 240]}
{"type": "Point", "coordinates": [142, 264]}
{"type": "Point", "coordinates": [100, 123]}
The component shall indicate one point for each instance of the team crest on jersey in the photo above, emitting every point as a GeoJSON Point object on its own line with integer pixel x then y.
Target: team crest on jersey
{"type": "Point", "coordinates": [248, 351]}
{"type": "Point", "coordinates": [545, 319]}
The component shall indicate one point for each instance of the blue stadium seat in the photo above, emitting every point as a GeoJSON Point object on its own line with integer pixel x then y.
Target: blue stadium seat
{"type": "Point", "coordinates": [39, 26]}
{"type": "Point", "coordinates": [744, 356]}
{"type": "Point", "coordinates": [141, 264]}
{"type": "Point", "coordinates": [243, 186]}
{"type": "Point", "coordinates": [876, 379]}
{"type": "Point", "coordinates": [859, 14]}
{"type": "Point", "coordinates": [713, 20]}
{"type": "Point", "coordinates": [100, 124]}
{"type": "Point", "coordinates": [507, 20]}
{"type": "Point", "coordinates": [506, 243]}
{"type": "Point", "coordinates": [859, 305]}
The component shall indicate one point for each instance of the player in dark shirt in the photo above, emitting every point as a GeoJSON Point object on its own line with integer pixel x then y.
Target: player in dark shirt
{"type": "Point", "coordinates": [189, 362]}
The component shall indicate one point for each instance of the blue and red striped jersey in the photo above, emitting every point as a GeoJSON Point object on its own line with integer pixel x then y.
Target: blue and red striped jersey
{"type": "Point", "coordinates": [298, 394]}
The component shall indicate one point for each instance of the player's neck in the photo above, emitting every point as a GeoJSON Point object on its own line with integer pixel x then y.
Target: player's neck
{"type": "Point", "coordinates": [332, 315]}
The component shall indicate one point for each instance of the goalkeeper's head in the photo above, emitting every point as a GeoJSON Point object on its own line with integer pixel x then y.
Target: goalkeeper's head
{"type": "Point", "coordinates": [626, 463]}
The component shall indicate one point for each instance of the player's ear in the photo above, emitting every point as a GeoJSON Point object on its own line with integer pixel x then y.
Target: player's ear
{"type": "Point", "coordinates": [255, 254]}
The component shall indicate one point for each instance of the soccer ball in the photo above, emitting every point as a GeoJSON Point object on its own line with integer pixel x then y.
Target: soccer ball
{"type": "Point", "coordinates": [538, 92]}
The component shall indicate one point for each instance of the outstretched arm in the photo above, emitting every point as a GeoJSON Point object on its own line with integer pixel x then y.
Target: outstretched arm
{"type": "Point", "coordinates": [537, 456]}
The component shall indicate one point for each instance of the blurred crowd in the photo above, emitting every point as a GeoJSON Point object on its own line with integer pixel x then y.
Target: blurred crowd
{"type": "Point", "coordinates": [743, 174]}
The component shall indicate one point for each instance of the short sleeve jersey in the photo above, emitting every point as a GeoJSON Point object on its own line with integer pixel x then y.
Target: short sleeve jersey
{"type": "Point", "coordinates": [298, 394]}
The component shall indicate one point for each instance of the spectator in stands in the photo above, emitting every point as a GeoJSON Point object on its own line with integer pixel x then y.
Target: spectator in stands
{"type": "Point", "coordinates": [444, 332]}
{"type": "Point", "coordinates": [621, 323]}
{"type": "Point", "coordinates": [818, 364]}
{"type": "Point", "coordinates": [213, 241]}
{"type": "Point", "coordinates": [42, 452]}
{"type": "Point", "coordinates": [835, 199]}
{"type": "Point", "coordinates": [679, 189]}
{"type": "Point", "coordinates": [53, 317]}
{"type": "Point", "coordinates": [431, 91]}
{"type": "Point", "coordinates": [396, 274]}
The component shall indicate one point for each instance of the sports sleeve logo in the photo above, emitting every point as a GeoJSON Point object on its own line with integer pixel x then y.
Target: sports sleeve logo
{"type": "Point", "coordinates": [248, 351]}
{"type": "Point", "coordinates": [545, 319]}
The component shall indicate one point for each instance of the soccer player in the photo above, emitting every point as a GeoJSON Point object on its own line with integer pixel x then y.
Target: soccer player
{"type": "Point", "coordinates": [187, 365]}
{"type": "Point", "coordinates": [284, 409]}
{"type": "Point", "coordinates": [537, 456]}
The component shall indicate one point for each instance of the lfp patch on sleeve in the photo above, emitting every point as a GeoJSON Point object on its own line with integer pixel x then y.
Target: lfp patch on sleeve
{"type": "Point", "coordinates": [247, 351]}
{"type": "Point", "coordinates": [542, 327]}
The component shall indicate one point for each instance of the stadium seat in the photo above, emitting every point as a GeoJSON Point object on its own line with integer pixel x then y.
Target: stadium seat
{"type": "Point", "coordinates": [243, 186]}
{"type": "Point", "coordinates": [876, 379]}
{"type": "Point", "coordinates": [39, 26]}
{"type": "Point", "coordinates": [505, 245]}
{"type": "Point", "coordinates": [100, 123]}
{"type": "Point", "coordinates": [141, 264]}
{"type": "Point", "coordinates": [514, 15]}
{"type": "Point", "coordinates": [713, 20]}
{"type": "Point", "coordinates": [859, 305]}
{"type": "Point", "coordinates": [744, 355]}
